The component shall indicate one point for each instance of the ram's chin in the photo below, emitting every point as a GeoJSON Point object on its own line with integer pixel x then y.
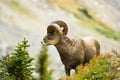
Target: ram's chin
{"type": "Point", "coordinates": [45, 44]}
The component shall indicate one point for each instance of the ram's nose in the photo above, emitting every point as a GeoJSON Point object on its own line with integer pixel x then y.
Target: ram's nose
{"type": "Point", "coordinates": [43, 43]}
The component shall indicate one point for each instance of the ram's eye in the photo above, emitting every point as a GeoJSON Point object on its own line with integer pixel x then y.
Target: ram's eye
{"type": "Point", "coordinates": [51, 31]}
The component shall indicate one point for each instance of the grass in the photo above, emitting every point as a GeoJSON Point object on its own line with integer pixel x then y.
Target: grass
{"type": "Point", "coordinates": [91, 22]}
{"type": "Point", "coordinates": [87, 19]}
{"type": "Point", "coordinates": [109, 34]}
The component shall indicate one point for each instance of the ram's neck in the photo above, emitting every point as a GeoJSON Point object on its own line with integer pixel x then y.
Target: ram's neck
{"type": "Point", "coordinates": [64, 46]}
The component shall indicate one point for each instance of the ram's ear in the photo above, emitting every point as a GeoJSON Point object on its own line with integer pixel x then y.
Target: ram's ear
{"type": "Point", "coordinates": [63, 26]}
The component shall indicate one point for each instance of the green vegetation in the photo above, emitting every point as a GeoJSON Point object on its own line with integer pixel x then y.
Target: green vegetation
{"type": "Point", "coordinates": [87, 18]}
{"type": "Point", "coordinates": [99, 68]}
{"type": "Point", "coordinates": [18, 65]}
{"type": "Point", "coordinates": [91, 22]}
{"type": "Point", "coordinates": [43, 64]}
{"type": "Point", "coordinates": [109, 34]}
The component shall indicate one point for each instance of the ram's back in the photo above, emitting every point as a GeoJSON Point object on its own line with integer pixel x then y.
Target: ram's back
{"type": "Point", "coordinates": [92, 48]}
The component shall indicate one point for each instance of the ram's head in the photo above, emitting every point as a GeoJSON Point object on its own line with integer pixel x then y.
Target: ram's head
{"type": "Point", "coordinates": [55, 31]}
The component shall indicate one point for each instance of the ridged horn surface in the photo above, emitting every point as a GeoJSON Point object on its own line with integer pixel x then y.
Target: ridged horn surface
{"type": "Point", "coordinates": [54, 32]}
{"type": "Point", "coordinates": [62, 24]}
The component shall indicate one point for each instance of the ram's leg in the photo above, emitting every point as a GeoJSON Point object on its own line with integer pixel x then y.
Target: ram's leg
{"type": "Point", "coordinates": [67, 71]}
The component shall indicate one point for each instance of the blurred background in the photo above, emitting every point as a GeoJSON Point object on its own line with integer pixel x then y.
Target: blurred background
{"type": "Point", "coordinates": [29, 19]}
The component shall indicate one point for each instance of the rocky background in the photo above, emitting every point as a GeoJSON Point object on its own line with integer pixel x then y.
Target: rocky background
{"type": "Point", "coordinates": [29, 19]}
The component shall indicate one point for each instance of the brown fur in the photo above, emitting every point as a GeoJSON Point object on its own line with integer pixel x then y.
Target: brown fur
{"type": "Point", "coordinates": [76, 52]}
{"type": "Point", "coordinates": [72, 52]}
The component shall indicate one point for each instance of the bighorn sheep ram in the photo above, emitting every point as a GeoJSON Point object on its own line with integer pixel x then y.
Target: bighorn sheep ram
{"type": "Point", "coordinates": [72, 52]}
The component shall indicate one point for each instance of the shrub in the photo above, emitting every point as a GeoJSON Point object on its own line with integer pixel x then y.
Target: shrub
{"type": "Point", "coordinates": [97, 69]}
{"type": "Point", "coordinates": [43, 64]}
{"type": "Point", "coordinates": [103, 67]}
{"type": "Point", "coordinates": [18, 63]}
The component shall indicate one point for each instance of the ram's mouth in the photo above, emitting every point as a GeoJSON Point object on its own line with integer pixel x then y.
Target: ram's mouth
{"type": "Point", "coordinates": [44, 44]}
{"type": "Point", "coordinates": [45, 41]}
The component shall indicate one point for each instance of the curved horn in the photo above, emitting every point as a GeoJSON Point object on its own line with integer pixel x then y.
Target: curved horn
{"type": "Point", "coordinates": [54, 33]}
{"type": "Point", "coordinates": [62, 24]}
{"type": "Point", "coordinates": [54, 26]}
